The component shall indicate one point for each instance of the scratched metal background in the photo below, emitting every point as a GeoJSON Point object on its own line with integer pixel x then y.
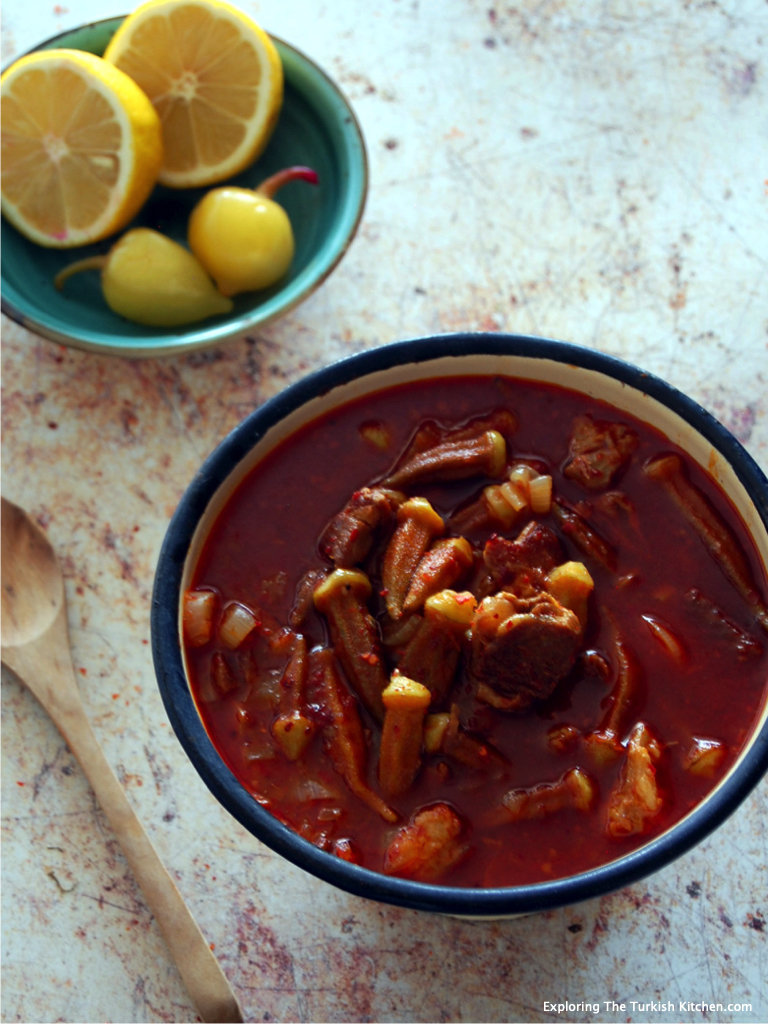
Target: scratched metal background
{"type": "Point", "coordinates": [591, 171]}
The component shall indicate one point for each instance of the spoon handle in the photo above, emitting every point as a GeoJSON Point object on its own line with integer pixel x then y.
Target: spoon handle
{"type": "Point", "coordinates": [45, 666]}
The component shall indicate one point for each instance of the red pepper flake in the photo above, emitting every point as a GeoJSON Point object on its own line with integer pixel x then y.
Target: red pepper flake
{"type": "Point", "coordinates": [83, 671]}
{"type": "Point", "coordinates": [115, 696]}
{"type": "Point", "coordinates": [20, 783]}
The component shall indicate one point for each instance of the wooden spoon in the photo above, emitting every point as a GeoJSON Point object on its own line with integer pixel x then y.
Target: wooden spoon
{"type": "Point", "coordinates": [35, 645]}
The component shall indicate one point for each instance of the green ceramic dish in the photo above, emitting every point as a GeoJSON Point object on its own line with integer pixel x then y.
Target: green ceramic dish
{"type": "Point", "coordinates": [317, 128]}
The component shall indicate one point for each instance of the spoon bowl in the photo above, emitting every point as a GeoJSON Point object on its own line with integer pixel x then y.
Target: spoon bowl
{"type": "Point", "coordinates": [33, 587]}
{"type": "Point", "coordinates": [35, 646]}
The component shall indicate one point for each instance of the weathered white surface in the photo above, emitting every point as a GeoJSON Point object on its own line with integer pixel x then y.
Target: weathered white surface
{"type": "Point", "coordinates": [594, 172]}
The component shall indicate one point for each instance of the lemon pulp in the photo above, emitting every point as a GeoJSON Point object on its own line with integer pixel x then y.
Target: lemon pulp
{"type": "Point", "coordinates": [215, 79]}
{"type": "Point", "coordinates": [81, 147]}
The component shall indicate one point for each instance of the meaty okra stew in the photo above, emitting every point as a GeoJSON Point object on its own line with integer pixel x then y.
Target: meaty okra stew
{"type": "Point", "coordinates": [478, 631]}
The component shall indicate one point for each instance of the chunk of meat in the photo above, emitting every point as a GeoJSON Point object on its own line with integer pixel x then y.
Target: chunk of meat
{"type": "Point", "coordinates": [428, 846]}
{"type": "Point", "coordinates": [536, 550]}
{"type": "Point", "coordinates": [349, 537]}
{"type": "Point", "coordinates": [522, 648]}
{"type": "Point", "coordinates": [636, 801]}
{"type": "Point", "coordinates": [599, 450]}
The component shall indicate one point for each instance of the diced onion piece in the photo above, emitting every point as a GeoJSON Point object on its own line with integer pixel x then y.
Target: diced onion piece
{"type": "Point", "coordinates": [345, 849]}
{"type": "Point", "coordinates": [259, 747]}
{"type": "Point", "coordinates": [522, 471]}
{"type": "Point", "coordinates": [309, 790]}
{"type": "Point", "coordinates": [515, 493]}
{"type": "Point", "coordinates": [237, 623]}
{"type": "Point", "coordinates": [563, 738]}
{"type": "Point", "coordinates": [704, 757]}
{"type": "Point", "coordinates": [199, 611]}
{"type": "Point", "coordinates": [671, 644]}
{"type": "Point", "coordinates": [499, 505]}
{"type": "Point", "coordinates": [522, 474]}
{"type": "Point", "coordinates": [376, 434]}
{"type": "Point", "coordinates": [333, 813]}
{"type": "Point", "coordinates": [540, 490]}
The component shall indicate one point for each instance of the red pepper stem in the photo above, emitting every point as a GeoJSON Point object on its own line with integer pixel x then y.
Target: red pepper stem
{"type": "Point", "coordinates": [276, 181]}
{"type": "Point", "coordinates": [89, 263]}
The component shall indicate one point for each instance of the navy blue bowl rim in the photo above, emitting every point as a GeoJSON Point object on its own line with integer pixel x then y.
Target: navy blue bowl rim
{"type": "Point", "coordinates": [351, 878]}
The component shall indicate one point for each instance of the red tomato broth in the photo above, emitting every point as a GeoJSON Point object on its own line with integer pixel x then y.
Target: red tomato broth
{"type": "Point", "coordinates": [269, 532]}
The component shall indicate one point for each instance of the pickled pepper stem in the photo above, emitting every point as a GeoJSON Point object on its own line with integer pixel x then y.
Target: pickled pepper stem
{"type": "Point", "coordinates": [89, 263]}
{"type": "Point", "coordinates": [275, 182]}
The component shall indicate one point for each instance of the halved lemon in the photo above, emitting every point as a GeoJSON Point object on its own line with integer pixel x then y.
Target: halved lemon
{"type": "Point", "coordinates": [214, 77]}
{"type": "Point", "coordinates": [81, 147]}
